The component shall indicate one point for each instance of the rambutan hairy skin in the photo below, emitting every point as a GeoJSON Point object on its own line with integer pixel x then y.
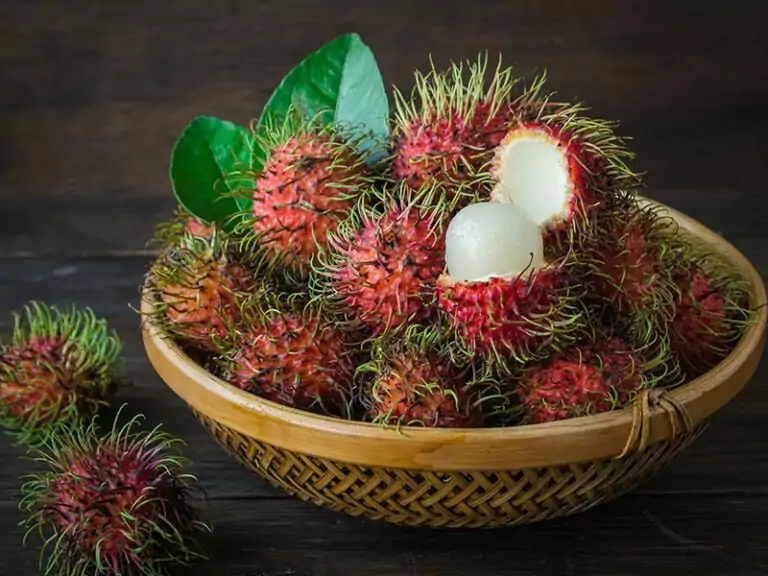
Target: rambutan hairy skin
{"type": "Point", "coordinates": [198, 286]}
{"type": "Point", "coordinates": [445, 131]}
{"type": "Point", "coordinates": [514, 320]}
{"type": "Point", "coordinates": [285, 350]}
{"type": "Point", "coordinates": [182, 222]}
{"type": "Point", "coordinates": [600, 374]}
{"type": "Point", "coordinates": [411, 380]}
{"type": "Point", "coordinates": [628, 262]}
{"type": "Point", "coordinates": [117, 503]}
{"type": "Point", "coordinates": [378, 274]}
{"type": "Point", "coordinates": [597, 161]}
{"type": "Point", "coordinates": [308, 181]}
{"type": "Point", "coordinates": [59, 366]}
{"type": "Point", "coordinates": [712, 309]}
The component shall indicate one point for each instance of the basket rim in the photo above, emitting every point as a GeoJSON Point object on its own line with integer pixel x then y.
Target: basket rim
{"type": "Point", "coordinates": [534, 445]}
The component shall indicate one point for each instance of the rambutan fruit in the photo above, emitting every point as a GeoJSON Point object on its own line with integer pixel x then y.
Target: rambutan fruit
{"type": "Point", "coordinates": [380, 270]}
{"type": "Point", "coordinates": [56, 368]}
{"type": "Point", "coordinates": [445, 131]}
{"type": "Point", "coordinates": [501, 297]}
{"type": "Point", "coordinates": [197, 287]}
{"type": "Point", "coordinates": [413, 384]}
{"type": "Point", "coordinates": [628, 261]}
{"type": "Point", "coordinates": [287, 352]}
{"type": "Point", "coordinates": [112, 504]}
{"type": "Point", "coordinates": [310, 179]}
{"type": "Point", "coordinates": [182, 222]}
{"type": "Point", "coordinates": [711, 309]}
{"type": "Point", "coordinates": [585, 379]}
{"type": "Point", "coordinates": [559, 166]}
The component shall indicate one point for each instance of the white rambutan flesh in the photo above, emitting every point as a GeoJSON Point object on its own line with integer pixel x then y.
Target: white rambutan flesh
{"type": "Point", "coordinates": [533, 173]}
{"type": "Point", "coordinates": [487, 239]}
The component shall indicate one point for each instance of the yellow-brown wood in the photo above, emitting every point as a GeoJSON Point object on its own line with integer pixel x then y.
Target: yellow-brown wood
{"type": "Point", "coordinates": [572, 441]}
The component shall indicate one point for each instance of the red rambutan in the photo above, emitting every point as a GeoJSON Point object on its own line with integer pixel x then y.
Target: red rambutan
{"type": "Point", "coordinates": [445, 132]}
{"type": "Point", "coordinates": [56, 368]}
{"type": "Point", "coordinates": [289, 354]}
{"type": "Point", "coordinates": [182, 222]}
{"type": "Point", "coordinates": [559, 166]}
{"type": "Point", "coordinates": [413, 385]}
{"type": "Point", "coordinates": [115, 504]}
{"type": "Point", "coordinates": [500, 296]}
{"type": "Point", "coordinates": [381, 269]}
{"type": "Point", "coordinates": [198, 286]}
{"type": "Point", "coordinates": [627, 262]}
{"type": "Point", "coordinates": [582, 380]}
{"type": "Point", "coordinates": [308, 183]}
{"type": "Point", "coordinates": [711, 309]}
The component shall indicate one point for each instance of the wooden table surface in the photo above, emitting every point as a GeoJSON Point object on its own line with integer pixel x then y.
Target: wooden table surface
{"type": "Point", "coordinates": [94, 94]}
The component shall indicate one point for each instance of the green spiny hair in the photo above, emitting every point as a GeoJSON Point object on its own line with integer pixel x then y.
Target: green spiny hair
{"type": "Point", "coordinates": [599, 137]}
{"type": "Point", "coordinates": [170, 231]}
{"type": "Point", "coordinates": [83, 498]}
{"type": "Point", "coordinates": [57, 367]}
{"type": "Point", "coordinates": [726, 283]}
{"type": "Point", "coordinates": [284, 135]}
{"type": "Point", "coordinates": [454, 93]}
{"type": "Point", "coordinates": [567, 319]}
{"type": "Point", "coordinates": [428, 345]}
{"type": "Point", "coordinates": [651, 366]}
{"type": "Point", "coordinates": [617, 231]}
{"type": "Point", "coordinates": [339, 277]}
{"type": "Point", "coordinates": [257, 317]}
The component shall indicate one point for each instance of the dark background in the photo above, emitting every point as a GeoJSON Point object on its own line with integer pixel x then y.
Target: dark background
{"type": "Point", "coordinates": [94, 94]}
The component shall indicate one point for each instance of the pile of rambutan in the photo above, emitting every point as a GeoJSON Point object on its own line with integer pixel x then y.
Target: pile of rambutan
{"type": "Point", "coordinates": [496, 266]}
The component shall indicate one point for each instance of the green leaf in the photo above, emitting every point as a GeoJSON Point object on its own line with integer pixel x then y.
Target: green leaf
{"type": "Point", "coordinates": [202, 166]}
{"type": "Point", "coordinates": [340, 82]}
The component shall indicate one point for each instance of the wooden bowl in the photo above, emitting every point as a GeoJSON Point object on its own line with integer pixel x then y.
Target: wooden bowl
{"type": "Point", "coordinates": [468, 477]}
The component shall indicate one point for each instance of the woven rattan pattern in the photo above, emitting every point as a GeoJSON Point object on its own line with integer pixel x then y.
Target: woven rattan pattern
{"type": "Point", "coordinates": [436, 499]}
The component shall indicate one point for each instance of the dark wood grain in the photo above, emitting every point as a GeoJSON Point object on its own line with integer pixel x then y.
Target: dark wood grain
{"type": "Point", "coordinates": [94, 94]}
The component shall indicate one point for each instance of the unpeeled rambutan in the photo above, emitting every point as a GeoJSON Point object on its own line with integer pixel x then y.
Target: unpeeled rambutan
{"type": "Point", "coordinates": [287, 352]}
{"type": "Point", "coordinates": [628, 261]}
{"type": "Point", "coordinates": [446, 130]}
{"type": "Point", "coordinates": [115, 504]}
{"type": "Point", "coordinates": [380, 270]}
{"type": "Point", "coordinates": [711, 309]}
{"type": "Point", "coordinates": [500, 296]}
{"type": "Point", "coordinates": [309, 181]}
{"type": "Point", "coordinates": [197, 287]}
{"type": "Point", "coordinates": [182, 222]}
{"type": "Point", "coordinates": [559, 166]}
{"type": "Point", "coordinates": [57, 367]}
{"type": "Point", "coordinates": [415, 385]}
{"type": "Point", "coordinates": [583, 380]}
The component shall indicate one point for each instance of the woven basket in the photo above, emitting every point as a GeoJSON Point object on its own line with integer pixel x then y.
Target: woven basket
{"type": "Point", "coordinates": [468, 478]}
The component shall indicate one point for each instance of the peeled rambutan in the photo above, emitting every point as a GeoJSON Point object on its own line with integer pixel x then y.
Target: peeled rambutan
{"type": "Point", "coordinates": [197, 287]}
{"type": "Point", "coordinates": [500, 296]}
{"type": "Point", "coordinates": [711, 309]}
{"type": "Point", "coordinates": [413, 385]}
{"type": "Point", "coordinates": [287, 352]}
{"type": "Point", "coordinates": [57, 367]}
{"type": "Point", "coordinates": [446, 130]}
{"type": "Point", "coordinates": [559, 166]}
{"type": "Point", "coordinates": [309, 181]}
{"type": "Point", "coordinates": [112, 504]}
{"type": "Point", "coordinates": [380, 271]}
{"type": "Point", "coordinates": [582, 380]}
